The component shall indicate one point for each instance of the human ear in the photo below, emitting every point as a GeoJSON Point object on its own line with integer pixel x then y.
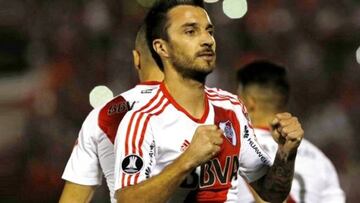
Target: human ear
{"type": "Point", "coordinates": [160, 46]}
{"type": "Point", "coordinates": [136, 59]}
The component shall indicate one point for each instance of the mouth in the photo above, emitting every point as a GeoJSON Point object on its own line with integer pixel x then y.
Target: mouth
{"type": "Point", "coordinates": [207, 55]}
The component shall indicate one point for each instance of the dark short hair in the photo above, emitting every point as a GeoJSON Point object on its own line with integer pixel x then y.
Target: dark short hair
{"type": "Point", "coordinates": [140, 39]}
{"type": "Point", "coordinates": [141, 45]}
{"type": "Point", "coordinates": [156, 22]}
{"type": "Point", "coordinates": [266, 75]}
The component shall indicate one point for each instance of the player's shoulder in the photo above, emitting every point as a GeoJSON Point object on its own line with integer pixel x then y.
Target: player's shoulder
{"type": "Point", "coordinates": [222, 96]}
{"type": "Point", "coordinates": [308, 149]}
{"type": "Point", "coordinates": [306, 144]}
{"type": "Point", "coordinates": [219, 93]}
{"type": "Point", "coordinates": [142, 91]}
{"type": "Point", "coordinates": [91, 119]}
{"type": "Point", "coordinates": [129, 100]}
{"type": "Point", "coordinates": [114, 111]}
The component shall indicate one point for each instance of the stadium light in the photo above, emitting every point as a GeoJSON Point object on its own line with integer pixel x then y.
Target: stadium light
{"type": "Point", "coordinates": [211, 1]}
{"type": "Point", "coordinates": [100, 95]}
{"type": "Point", "coordinates": [235, 8]}
{"type": "Point", "coordinates": [358, 55]}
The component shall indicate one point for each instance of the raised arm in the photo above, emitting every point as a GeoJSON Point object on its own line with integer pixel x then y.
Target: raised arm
{"type": "Point", "coordinates": [276, 184]}
{"type": "Point", "coordinates": [159, 188]}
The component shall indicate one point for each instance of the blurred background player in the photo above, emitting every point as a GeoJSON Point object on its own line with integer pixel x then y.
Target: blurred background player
{"type": "Point", "coordinates": [93, 154]}
{"type": "Point", "coordinates": [264, 88]}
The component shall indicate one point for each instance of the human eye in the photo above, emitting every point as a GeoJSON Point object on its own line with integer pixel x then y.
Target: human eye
{"type": "Point", "coordinates": [190, 32]}
{"type": "Point", "coordinates": [211, 31]}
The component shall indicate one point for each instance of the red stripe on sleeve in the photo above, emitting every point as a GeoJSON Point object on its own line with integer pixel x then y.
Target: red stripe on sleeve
{"type": "Point", "coordinates": [128, 133]}
{"type": "Point", "coordinates": [138, 123]}
{"type": "Point", "coordinates": [143, 134]}
{"type": "Point", "coordinates": [131, 121]}
{"type": "Point", "coordinates": [123, 181]}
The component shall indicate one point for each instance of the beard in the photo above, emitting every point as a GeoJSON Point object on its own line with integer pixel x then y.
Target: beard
{"type": "Point", "coordinates": [187, 67]}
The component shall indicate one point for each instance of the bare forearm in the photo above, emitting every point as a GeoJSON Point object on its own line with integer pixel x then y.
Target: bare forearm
{"type": "Point", "coordinates": [160, 187]}
{"type": "Point", "coordinates": [276, 185]}
{"type": "Point", "coordinates": [76, 193]}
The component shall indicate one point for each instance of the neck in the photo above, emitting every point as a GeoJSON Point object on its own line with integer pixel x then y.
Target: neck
{"type": "Point", "coordinates": [188, 93]}
{"type": "Point", "coordinates": [152, 76]}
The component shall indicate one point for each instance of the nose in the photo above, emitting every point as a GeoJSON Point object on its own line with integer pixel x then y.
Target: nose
{"type": "Point", "coordinates": [207, 39]}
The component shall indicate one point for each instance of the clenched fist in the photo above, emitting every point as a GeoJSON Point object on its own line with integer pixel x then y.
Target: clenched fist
{"type": "Point", "coordinates": [287, 132]}
{"type": "Point", "coordinates": [205, 144]}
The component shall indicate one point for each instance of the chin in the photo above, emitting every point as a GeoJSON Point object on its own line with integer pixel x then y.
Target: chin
{"type": "Point", "coordinates": [199, 74]}
{"type": "Point", "coordinates": [206, 70]}
{"type": "Point", "coordinates": [207, 67]}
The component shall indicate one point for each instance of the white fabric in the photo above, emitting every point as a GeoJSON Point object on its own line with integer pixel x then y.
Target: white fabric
{"type": "Point", "coordinates": [315, 180]}
{"type": "Point", "coordinates": [154, 136]}
{"type": "Point", "coordinates": [93, 154]}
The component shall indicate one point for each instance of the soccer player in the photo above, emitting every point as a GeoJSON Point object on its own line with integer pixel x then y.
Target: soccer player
{"type": "Point", "coordinates": [93, 154]}
{"type": "Point", "coordinates": [189, 136]}
{"type": "Point", "coordinates": [264, 88]}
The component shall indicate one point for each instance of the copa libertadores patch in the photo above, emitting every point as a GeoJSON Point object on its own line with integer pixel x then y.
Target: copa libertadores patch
{"type": "Point", "coordinates": [132, 164]}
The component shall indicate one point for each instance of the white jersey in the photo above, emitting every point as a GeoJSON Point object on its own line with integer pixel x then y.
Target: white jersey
{"type": "Point", "coordinates": [315, 178]}
{"type": "Point", "coordinates": [93, 154]}
{"type": "Point", "coordinates": [153, 136]}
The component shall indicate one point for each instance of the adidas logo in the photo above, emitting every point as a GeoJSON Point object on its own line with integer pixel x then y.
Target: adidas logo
{"type": "Point", "coordinates": [185, 145]}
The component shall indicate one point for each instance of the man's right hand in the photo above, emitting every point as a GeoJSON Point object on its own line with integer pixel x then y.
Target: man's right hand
{"type": "Point", "coordinates": [205, 144]}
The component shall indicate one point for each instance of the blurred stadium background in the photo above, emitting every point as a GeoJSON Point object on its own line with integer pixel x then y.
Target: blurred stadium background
{"type": "Point", "coordinates": [53, 52]}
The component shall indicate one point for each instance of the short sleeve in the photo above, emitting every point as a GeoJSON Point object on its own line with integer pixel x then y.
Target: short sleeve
{"type": "Point", "coordinates": [83, 166]}
{"type": "Point", "coordinates": [134, 150]}
{"type": "Point", "coordinates": [254, 161]}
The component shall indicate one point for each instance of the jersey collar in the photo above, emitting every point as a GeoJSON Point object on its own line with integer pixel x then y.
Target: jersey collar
{"type": "Point", "coordinates": [180, 108]}
{"type": "Point", "coordinates": [149, 83]}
